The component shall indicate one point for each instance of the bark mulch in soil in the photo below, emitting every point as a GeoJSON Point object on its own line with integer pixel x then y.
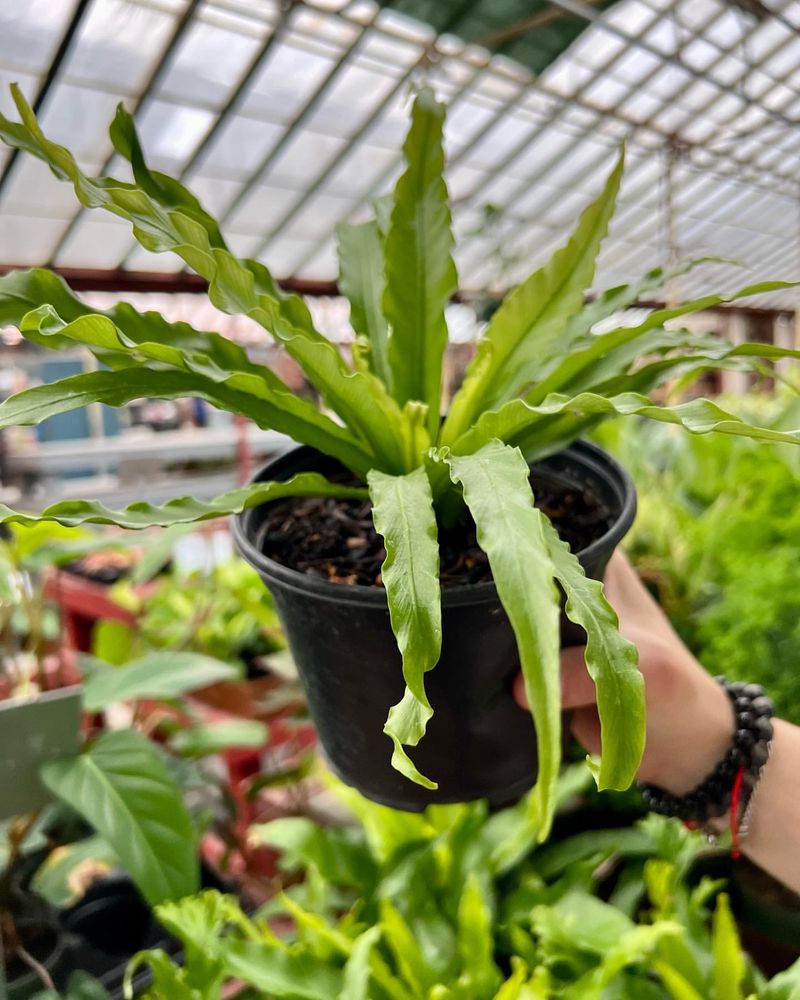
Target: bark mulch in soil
{"type": "Point", "coordinates": [335, 540]}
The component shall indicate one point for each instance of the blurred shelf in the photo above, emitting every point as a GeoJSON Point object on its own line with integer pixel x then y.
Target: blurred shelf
{"type": "Point", "coordinates": [194, 445]}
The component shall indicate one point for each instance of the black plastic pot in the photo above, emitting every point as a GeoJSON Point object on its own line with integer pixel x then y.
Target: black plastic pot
{"type": "Point", "coordinates": [37, 925]}
{"type": "Point", "coordinates": [479, 743]}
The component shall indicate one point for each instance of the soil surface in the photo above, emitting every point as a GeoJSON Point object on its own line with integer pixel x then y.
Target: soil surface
{"type": "Point", "coordinates": [335, 540]}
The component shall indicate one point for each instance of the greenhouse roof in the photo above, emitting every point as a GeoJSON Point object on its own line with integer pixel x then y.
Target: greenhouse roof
{"type": "Point", "coordinates": [285, 117]}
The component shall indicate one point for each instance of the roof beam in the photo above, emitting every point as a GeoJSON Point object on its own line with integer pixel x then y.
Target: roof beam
{"type": "Point", "coordinates": [63, 50]}
{"type": "Point", "coordinates": [159, 71]}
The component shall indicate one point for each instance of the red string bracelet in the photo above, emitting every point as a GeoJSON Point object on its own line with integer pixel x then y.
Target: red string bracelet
{"type": "Point", "coordinates": [736, 800]}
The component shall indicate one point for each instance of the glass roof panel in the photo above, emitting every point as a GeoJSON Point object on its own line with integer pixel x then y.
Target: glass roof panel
{"type": "Point", "coordinates": [285, 117]}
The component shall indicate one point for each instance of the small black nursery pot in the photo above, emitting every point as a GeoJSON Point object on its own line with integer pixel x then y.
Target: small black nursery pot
{"type": "Point", "coordinates": [479, 743]}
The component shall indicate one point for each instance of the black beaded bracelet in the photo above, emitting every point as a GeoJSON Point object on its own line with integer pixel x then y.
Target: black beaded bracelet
{"type": "Point", "coordinates": [739, 769]}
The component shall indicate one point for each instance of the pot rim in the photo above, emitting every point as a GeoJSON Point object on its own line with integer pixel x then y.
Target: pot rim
{"type": "Point", "coordinates": [587, 455]}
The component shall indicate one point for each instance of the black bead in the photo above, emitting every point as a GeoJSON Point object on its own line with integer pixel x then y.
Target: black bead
{"type": "Point", "coordinates": [758, 756]}
{"type": "Point", "coordinates": [763, 728]}
{"type": "Point", "coordinates": [737, 687]}
{"type": "Point", "coordinates": [726, 770]}
{"type": "Point", "coordinates": [744, 738]}
{"type": "Point", "coordinates": [745, 719]}
{"type": "Point", "coordinates": [742, 703]}
{"type": "Point", "coordinates": [762, 706]}
{"type": "Point", "coordinates": [753, 690]}
{"type": "Point", "coordinates": [735, 757]}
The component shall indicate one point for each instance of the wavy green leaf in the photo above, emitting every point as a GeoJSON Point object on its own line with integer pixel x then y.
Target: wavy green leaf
{"type": "Point", "coordinates": [222, 378]}
{"type": "Point", "coordinates": [420, 273]}
{"type": "Point", "coordinates": [403, 516]}
{"type": "Point", "coordinates": [362, 282]}
{"type": "Point", "coordinates": [163, 675]}
{"type": "Point", "coordinates": [23, 292]}
{"type": "Point", "coordinates": [122, 788]}
{"type": "Point", "coordinates": [183, 510]}
{"type": "Point", "coordinates": [497, 490]}
{"type": "Point", "coordinates": [607, 354]}
{"type": "Point", "coordinates": [533, 318]}
{"type": "Point", "coordinates": [526, 426]}
{"type": "Point", "coordinates": [612, 663]}
{"type": "Point", "coordinates": [162, 222]}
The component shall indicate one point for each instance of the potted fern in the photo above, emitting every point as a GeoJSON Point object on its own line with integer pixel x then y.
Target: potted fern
{"type": "Point", "coordinates": [380, 454]}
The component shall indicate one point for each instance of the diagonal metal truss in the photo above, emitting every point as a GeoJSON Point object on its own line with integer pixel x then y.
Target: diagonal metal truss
{"type": "Point", "coordinates": [540, 142]}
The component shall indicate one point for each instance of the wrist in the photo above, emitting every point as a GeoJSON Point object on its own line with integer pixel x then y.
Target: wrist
{"type": "Point", "coordinates": [701, 733]}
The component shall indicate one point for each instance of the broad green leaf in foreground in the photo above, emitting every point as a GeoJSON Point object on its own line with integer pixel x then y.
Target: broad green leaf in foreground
{"type": "Point", "coordinates": [533, 318]}
{"type": "Point", "coordinates": [612, 665]}
{"type": "Point", "coordinates": [159, 675]}
{"type": "Point", "coordinates": [420, 273]}
{"type": "Point", "coordinates": [403, 515]}
{"type": "Point", "coordinates": [121, 786]}
{"type": "Point", "coordinates": [183, 510]}
{"type": "Point", "coordinates": [510, 531]}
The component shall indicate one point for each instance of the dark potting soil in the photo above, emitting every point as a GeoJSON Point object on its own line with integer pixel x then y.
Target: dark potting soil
{"type": "Point", "coordinates": [336, 540]}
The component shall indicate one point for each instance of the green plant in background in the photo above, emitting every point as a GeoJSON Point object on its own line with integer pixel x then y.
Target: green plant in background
{"type": "Point", "coordinates": [224, 613]}
{"type": "Point", "coordinates": [717, 537]}
{"type": "Point", "coordinates": [539, 379]}
{"type": "Point", "coordinates": [455, 905]}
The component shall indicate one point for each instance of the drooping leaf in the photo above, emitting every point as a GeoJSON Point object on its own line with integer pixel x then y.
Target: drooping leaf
{"type": "Point", "coordinates": [122, 788]}
{"type": "Point", "coordinates": [162, 675]}
{"type": "Point", "coordinates": [362, 281]}
{"type": "Point", "coordinates": [164, 190]}
{"type": "Point", "coordinates": [216, 737]}
{"type": "Point", "coordinates": [533, 318]}
{"type": "Point", "coordinates": [420, 273]}
{"type": "Point", "coordinates": [183, 510]}
{"type": "Point", "coordinates": [510, 531]}
{"type": "Point", "coordinates": [161, 222]}
{"type": "Point", "coordinates": [612, 664]}
{"type": "Point", "coordinates": [403, 515]}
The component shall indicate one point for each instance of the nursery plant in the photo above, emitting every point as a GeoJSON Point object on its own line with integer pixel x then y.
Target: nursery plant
{"type": "Point", "coordinates": [120, 783]}
{"type": "Point", "coordinates": [448, 494]}
{"type": "Point", "coordinates": [709, 511]}
{"type": "Point", "coordinates": [453, 904]}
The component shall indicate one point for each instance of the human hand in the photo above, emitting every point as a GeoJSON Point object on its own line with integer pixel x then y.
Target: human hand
{"type": "Point", "coordinates": [689, 719]}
